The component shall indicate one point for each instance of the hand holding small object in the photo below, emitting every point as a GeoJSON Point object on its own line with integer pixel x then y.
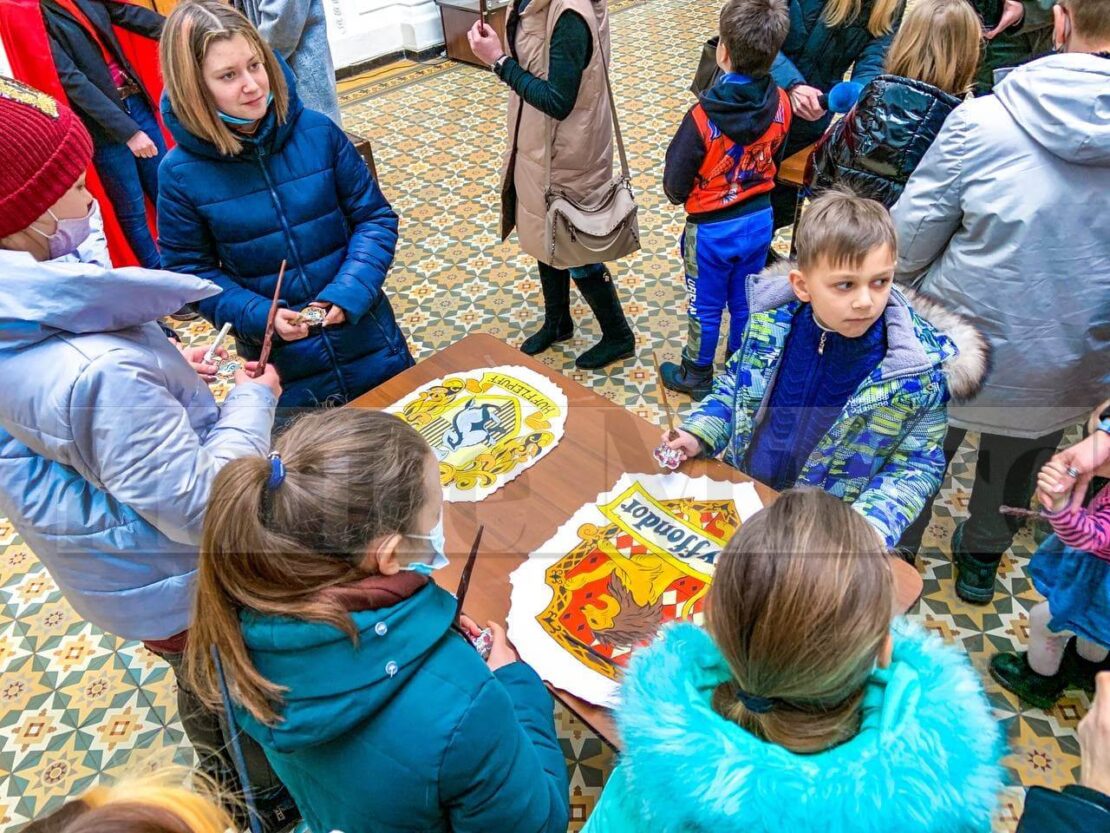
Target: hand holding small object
{"type": "Point", "coordinates": [197, 357]}
{"type": "Point", "coordinates": [290, 326]}
{"type": "Point", "coordinates": [683, 442]}
{"type": "Point", "coordinates": [502, 653]}
{"type": "Point", "coordinates": [214, 351]}
{"type": "Point", "coordinates": [806, 102]}
{"type": "Point", "coordinates": [485, 43]}
{"type": "Point", "coordinates": [269, 377]}
{"type": "Point", "coordinates": [335, 316]}
{"type": "Point", "coordinates": [1050, 476]}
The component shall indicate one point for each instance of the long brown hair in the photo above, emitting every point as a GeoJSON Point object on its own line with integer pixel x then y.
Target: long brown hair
{"type": "Point", "coordinates": [351, 477]}
{"type": "Point", "coordinates": [188, 33]}
{"type": "Point", "coordinates": [938, 43]}
{"type": "Point", "coordinates": [800, 606]}
{"type": "Point", "coordinates": [879, 22]}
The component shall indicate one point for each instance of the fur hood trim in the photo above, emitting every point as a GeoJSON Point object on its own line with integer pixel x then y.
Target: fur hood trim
{"type": "Point", "coordinates": [926, 759]}
{"type": "Point", "coordinates": [964, 352]}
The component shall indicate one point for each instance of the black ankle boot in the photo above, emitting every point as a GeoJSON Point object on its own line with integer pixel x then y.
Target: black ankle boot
{"type": "Point", "coordinates": [688, 378]}
{"type": "Point", "coordinates": [1013, 673]}
{"type": "Point", "coordinates": [617, 341]}
{"type": "Point", "coordinates": [557, 323]}
{"type": "Point", "coordinates": [974, 577]}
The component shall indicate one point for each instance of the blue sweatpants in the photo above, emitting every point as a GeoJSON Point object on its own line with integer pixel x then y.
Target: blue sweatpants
{"type": "Point", "coordinates": [718, 258]}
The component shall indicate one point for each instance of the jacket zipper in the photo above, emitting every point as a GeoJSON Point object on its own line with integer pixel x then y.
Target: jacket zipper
{"type": "Point", "coordinates": [260, 155]}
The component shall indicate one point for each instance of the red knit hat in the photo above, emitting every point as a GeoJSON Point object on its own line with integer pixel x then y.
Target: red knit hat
{"type": "Point", "coordinates": [44, 148]}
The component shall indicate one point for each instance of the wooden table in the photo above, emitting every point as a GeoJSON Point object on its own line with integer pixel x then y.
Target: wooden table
{"type": "Point", "coordinates": [602, 441]}
{"type": "Point", "coordinates": [792, 171]}
{"type": "Point", "coordinates": [458, 16]}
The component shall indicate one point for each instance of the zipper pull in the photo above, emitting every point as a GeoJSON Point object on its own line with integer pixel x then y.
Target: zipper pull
{"type": "Point", "coordinates": [821, 343]}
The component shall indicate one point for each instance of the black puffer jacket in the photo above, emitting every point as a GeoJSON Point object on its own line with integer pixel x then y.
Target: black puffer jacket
{"type": "Point", "coordinates": [880, 142]}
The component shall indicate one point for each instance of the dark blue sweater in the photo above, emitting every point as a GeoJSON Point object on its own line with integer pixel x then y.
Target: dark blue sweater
{"type": "Point", "coordinates": [811, 389]}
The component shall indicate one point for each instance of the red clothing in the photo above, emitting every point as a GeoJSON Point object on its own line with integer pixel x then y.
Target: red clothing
{"type": "Point", "coordinates": [730, 172]}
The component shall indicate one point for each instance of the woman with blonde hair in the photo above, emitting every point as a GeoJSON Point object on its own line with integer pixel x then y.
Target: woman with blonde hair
{"type": "Point", "coordinates": [800, 707]}
{"type": "Point", "coordinates": [159, 802]}
{"type": "Point", "coordinates": [826, 38]}
{"type": "Point", "coordinates": [258, 180]}
{"type": "Point", "coordinates": [929, 70]}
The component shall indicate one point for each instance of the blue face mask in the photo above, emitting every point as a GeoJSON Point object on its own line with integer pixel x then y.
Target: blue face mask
{"type": "Point", "coordinates": [226, 119]}
{"type": "Point", "coordinates": [438, 542]}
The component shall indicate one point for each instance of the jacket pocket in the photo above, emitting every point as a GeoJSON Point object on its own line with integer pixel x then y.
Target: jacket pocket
{"type": "Point", "coordinates": [381, 314]}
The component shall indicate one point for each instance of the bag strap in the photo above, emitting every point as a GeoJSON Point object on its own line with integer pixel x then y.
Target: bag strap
{"type": "Point", "coordinates": [548, 122]}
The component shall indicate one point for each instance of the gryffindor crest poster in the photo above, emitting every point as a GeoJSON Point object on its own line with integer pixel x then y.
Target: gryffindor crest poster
{"type": "Point", "coordinates": [639, 556]}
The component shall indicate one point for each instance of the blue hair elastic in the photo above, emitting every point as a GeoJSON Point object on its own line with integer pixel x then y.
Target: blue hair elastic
{"type": "Point", "coordinates": [277, 471]}
{"type": "Point", "coordinates": [754, 703]}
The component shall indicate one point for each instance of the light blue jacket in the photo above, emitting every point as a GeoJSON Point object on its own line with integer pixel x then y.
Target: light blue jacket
{"type": "Point", "coordinates": [926, 759]}
{"type": "Point", "coordinates": [109, 441]}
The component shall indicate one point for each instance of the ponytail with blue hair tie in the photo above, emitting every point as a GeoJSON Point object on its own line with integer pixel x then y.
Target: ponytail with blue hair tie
{"type": "Point", "coordinates": [277, 472]}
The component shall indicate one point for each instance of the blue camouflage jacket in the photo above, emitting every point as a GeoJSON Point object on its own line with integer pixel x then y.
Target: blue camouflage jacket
{"type": "Point", "coordinates": [884, 454]}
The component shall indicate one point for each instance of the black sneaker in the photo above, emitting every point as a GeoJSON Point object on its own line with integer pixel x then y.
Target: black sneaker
{"type": "Point", "coordinates": [694, 381]}
{"type": "Point", "coordinates": [1013, 673]}
{"type": "Point", "coordinates": [974, 579]}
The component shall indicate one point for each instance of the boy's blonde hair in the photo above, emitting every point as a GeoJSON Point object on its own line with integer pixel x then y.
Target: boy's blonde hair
{"type": "Point", "coordinates": [1091, 18]}
{"type": "Point", "coordinates": [842, 228]}
{"type": "Point", "coordinates": [880, 21]}
{"type": "Point", "coordinates": [351, 476]}
{"type": "Point", "coordinates": [938, 43]}
{"type": "Point", "coordinates": [800, 607]}
{"type": "Point", "coordinates": [189, 32]}
{"type": "Point", "coordinates": [158, 802]}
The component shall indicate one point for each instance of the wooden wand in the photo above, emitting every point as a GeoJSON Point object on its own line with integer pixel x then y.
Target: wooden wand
{"type": "Point", "coordinates": [663, 397]}
{"type": "Point", "coordinates": [271, 320]}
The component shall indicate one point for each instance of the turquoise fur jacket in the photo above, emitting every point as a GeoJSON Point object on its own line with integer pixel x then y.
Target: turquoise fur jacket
{"type": "Point", "coordinates": [926, 759]}
{"type": "Point", "coordinates": [884, 454]}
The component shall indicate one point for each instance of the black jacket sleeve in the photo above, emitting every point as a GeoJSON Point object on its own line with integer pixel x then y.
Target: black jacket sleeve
{"type": "Point", "coordinates": [89, 99]}
{"type": "Point", "coordinates": [136, 19]}
{"type": "Point", "coordinates": [1076, 808]}
{"type": "Point", "coordinates": [684, 159]}
{"type": "Point", "coordinates": [570, 53]}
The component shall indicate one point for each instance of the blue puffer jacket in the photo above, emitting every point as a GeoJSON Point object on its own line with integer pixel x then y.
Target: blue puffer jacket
{"type": "Point", "coordinates": [109, 441]}
{"type": "Point", "coordinates": [818, 55]}
{"type": "Point", "coordinates": [926, 759]}
{"type": "Point", "coordinates": [407, 730]}
{"type": "Point", "coordinates": [299, 192]}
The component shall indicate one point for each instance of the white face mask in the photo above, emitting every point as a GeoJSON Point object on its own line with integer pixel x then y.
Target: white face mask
{"type": "Point", "coordinates": [70, 233]}
{"type": "Point", "coordinates": [438, 542]}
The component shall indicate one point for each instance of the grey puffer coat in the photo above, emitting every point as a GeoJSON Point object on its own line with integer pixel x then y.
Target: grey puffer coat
{"type": "Point", "coordinates": [1007, 221]}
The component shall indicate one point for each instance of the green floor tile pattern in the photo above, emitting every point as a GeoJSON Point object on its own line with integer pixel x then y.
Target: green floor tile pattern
{"type": "Point", "coordinates": [77, 704]}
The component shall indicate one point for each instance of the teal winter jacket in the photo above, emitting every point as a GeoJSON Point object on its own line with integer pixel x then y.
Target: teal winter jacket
{"type": "Point", "coordinates": [926, 759]}
{"type": "Point", "coordinates": [884, 453]}
{"type": "Point", "coordinates": [408, 729]}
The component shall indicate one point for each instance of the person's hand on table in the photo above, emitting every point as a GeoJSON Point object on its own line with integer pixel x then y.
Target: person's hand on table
{"type": "Point", "coordinates": [1094, 739]}
{"type": "Point", "coordinates": [682, 441]}
{"type": "Point", "coordinates": [806, 102]}
{"type": "Point", "coordinates": [485, 43]}
{"type": "Point", "coordinates": [335, 316]}
{"type": "Point", "coordinates": [195, 357]}
{"type": "Point", "coordinates": [1012, 13]}
{"type": "Point", "coordinates": [289, 326]}
{"type": "Point", "coordinates": [502, 653]}
{"type": "Point", "coordinates": [269, 377]}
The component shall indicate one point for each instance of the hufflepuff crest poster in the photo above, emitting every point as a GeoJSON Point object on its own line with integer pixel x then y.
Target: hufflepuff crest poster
{"type": "Point", "coordinates": [639, 556]}
{"type": "Point", "coordinates": [486, 426]}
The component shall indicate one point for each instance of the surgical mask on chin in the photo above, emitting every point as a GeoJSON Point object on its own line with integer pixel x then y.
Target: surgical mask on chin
{"type": "Point", "coordinates": [438, 542]}
{"type": "Point", "coordinates": [70, 233]}
{"type": "Point", "coordinates": [226, 119]}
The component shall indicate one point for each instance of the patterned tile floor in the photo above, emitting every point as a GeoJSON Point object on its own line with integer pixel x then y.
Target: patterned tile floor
{"type": "Point", "coordinates": [77, 704]}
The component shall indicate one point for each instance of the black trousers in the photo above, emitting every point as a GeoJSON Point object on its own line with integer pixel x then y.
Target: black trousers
{"type": "Point", "coordinates": [1005, 475]}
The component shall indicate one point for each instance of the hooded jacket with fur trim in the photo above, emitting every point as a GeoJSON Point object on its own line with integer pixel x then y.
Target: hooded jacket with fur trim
{"type": "Point", "coordinates": [884, 454]}
{"type": "Point", "coordinates": [926, 759]}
